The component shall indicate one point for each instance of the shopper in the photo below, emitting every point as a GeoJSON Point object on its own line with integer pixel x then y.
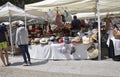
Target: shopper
{"type": "Point", "coordinates": [76, 26]}
{"type": "Point", "coordinates": [22, 42]}
{"type": "Point", "coordinates": [3, 45]}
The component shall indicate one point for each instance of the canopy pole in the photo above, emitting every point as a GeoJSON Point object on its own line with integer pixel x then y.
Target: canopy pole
{"type": "Point", "coordinates": [25, 20]}
{"type": "Point", "coordinates": [11, 40]}
{"type": "Point", "coordinates": [99, 30]}
{"type": "Point", "coordinates": [95, 16]}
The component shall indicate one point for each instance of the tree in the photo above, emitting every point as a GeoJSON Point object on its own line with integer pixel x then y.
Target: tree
{"type": "Point", "coordinates": [19, 3]}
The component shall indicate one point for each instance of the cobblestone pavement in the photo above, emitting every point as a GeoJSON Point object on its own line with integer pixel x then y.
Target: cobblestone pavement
{"type": "Point", "coordinates": [15, 72]}
{"type": "Point", "coordinates": [64, 68]}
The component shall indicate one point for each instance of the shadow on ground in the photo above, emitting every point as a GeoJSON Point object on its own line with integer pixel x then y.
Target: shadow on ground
{"type": "Point", "coordinates": [33, 63]}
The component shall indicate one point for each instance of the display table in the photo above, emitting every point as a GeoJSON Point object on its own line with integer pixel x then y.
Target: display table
{"type": "Point", "coordinates": [58, 51]}
{"type": "Point", "coordinates": [39, 52]}
{"type": "Point", "coordinates": [116, 43]}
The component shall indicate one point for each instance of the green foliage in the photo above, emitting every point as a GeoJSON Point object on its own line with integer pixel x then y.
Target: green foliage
{"type": "Point", "coordinates": [19, 3]}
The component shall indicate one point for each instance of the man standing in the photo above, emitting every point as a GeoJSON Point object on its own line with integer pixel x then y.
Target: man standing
{"type": "Point", "coordinates": [75, 24]}
{"type": "Point", "coordinates": [3, 44]}
{"type": "Point", "coordinates": [22, 42]}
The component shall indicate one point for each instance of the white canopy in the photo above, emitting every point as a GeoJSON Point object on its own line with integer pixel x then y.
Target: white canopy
{"type": "Point", "coordinates": [51, 3]}
{"type": "Point", "coordinates": [9, 10]}
{"type": "Point", "coordinates": [73, 6]}
{"type": "Point", "coordinates": [40, 8]}
{"type": "Point", "coordinates": [93, 15]}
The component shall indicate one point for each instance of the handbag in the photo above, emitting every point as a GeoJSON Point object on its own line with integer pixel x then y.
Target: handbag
{"type": "Point", "coordinates": [92, 52]}
{"type": "Point", "coordinates": [72, 50]}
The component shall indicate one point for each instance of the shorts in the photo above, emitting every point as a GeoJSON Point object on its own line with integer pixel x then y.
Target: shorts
{"type": "Point", "coordinates": [3, 45]}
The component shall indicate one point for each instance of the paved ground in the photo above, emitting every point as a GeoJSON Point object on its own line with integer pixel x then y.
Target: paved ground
{"type": "Point", "coordinates": [64, 68]}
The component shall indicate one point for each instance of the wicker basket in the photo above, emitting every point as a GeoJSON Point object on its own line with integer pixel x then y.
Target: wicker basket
{"type": "Point", "coordinates": [116, 34]}
{"type": "Point", "coordinates": [16, 50]}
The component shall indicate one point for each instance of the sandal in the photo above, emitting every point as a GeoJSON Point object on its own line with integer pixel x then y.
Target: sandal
{"type": "Point", "coordinates": [8, 64]}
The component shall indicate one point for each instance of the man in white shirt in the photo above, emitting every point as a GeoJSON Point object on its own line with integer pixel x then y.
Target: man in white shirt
{"type": "Point", "coordinates": [22, 42]}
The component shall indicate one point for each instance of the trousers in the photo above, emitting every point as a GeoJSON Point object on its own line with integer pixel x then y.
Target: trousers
{"type": "Point", "coordinates": [25, 53]}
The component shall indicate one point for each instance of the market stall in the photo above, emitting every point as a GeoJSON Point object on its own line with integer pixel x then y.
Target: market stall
{"type": "Point", "coordinates": [78, 6]}
{"type": "Point", "coordinates": [10, 13]}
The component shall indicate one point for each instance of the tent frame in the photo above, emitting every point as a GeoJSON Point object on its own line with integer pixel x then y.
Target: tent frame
{"type": "Point", "coordinates": [99, 29]}
{"type": "Point", "coordinates": [11, 39]}
{"type": "Point", "coordinates": [10, 27]}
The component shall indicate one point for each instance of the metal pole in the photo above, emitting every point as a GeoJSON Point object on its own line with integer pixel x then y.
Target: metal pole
{"type": "Point", "coordinates": [95, 16]}
{"type": "Point", "coordinates": [99, 30]}
{"type": "Point", "coordinates": [11, 40]}
{"type": "Point", "coordinates": [25, 20]}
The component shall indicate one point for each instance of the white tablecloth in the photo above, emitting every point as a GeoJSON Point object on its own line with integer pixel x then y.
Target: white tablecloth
{"type": "Point", "coordinates": [58, 51]}
{"type": "Point", "coordinates": [40, 52]}
{"type": "Point", "coordinates": [116, 43]}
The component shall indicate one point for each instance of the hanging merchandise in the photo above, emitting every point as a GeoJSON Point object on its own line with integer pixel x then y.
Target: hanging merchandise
{"type": "Point", "coordinates": [50, 16]}
{"type": "Point", "coordinates": [67, 15]}
{"type": "Point", "coordinates": [58, 19]}
{"type": "Point", "coordinates": [63, 18]}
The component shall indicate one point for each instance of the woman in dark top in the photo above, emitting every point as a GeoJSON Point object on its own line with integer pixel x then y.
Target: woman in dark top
{"type": "Point", "coordinates": [3, 44]}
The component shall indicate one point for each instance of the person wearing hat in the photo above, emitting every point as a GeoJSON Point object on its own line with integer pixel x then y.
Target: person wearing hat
{"type": "Point", "coordinates": [3, 44]}
{"type": "Point", "coordinates": [22, 42]}
{"type": "Point", "coordinates": [75, 26]}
